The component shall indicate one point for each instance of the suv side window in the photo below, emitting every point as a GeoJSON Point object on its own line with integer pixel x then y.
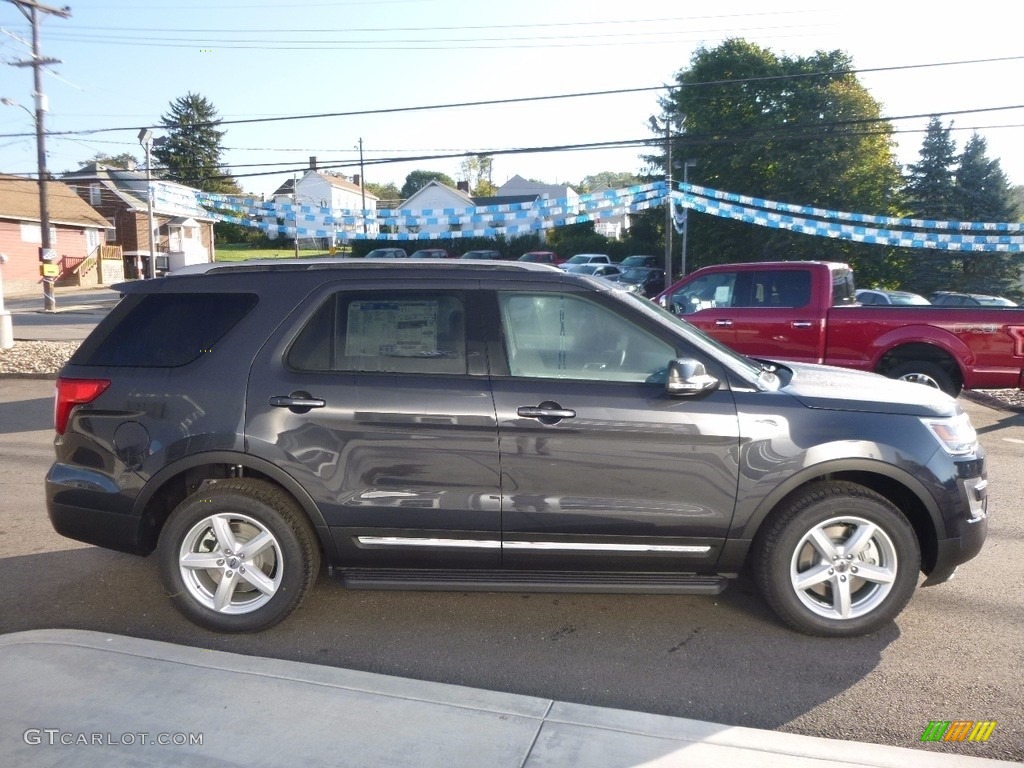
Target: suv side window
{"type": "Point", "coordinates": [562, 336]}
{"type": "Point", "coordinates": [166, 330]}
{"type": "Point", "coordinates": [411, 332]}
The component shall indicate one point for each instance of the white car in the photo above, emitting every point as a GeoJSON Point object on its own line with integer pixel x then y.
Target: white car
{"type": "Point", "coordinates": [586, 258]}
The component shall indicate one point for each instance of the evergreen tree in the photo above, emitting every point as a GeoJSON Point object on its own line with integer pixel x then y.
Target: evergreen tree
{"type": "Point", "coordinates": [930, 188]}
{"type": "Point", "coordinates": [191, 151]}
{"type": "Point", "coordinates": [983, 193]}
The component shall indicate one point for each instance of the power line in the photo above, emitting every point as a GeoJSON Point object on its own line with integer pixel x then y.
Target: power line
{"type": "Point", "coordinates": [554, 97]}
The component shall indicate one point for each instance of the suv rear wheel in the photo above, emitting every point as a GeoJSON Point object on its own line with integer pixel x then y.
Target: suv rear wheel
{"type": "Point", "coordinates": [238, 556]}
{"type": "Point", "coordinates": [840, 560]}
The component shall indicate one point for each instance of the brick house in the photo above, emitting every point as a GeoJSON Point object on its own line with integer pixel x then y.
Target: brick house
{"type": "Point", "coordinates": [183, 229]}
{"type": "Point", "coordinates": [76, 234]}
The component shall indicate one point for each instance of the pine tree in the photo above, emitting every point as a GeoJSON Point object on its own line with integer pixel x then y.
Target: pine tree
{"type": "Point", "coordinates": [191, 152]}
{"type": "Point", "coordinates": [930, 182]}
{"type": "Point", "coordinates": [983, 193]}
{"type": "Point", "coordinates": [930, 193]}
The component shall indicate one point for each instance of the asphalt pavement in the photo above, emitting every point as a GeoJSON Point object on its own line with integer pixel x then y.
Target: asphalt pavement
{"type": "Point", "coordinates": [92, 698]}
{"type": "Point", "coordinates": [76, 313]}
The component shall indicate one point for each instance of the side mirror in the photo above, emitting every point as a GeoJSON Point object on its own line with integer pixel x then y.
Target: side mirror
{"type": "Point", "coordinates": [689, 377]}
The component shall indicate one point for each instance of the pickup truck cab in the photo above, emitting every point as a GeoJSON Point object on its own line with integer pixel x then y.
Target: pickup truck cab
{"type": "Point", "coordinates": [806, 311]}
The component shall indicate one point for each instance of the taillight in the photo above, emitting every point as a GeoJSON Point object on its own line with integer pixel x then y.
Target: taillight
{"type": "Point", "coordinates": [72, 392]}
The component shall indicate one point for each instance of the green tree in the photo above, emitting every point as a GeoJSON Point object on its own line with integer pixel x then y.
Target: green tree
{"type": "Point", "coordinates": [611, 179]}
{"type": "Point", "coordinates": [797, 130]}
{"type": "Point", "coordinates": [417, 180]}
{"type": "Point", "coordinates": [931, 186]}
{"type": "Point", "coordinates": [388, 191]}
{"type": "Point", "coordinates": [983, 193]}
{"type": "Point", "coordinates": [946, 186]}
{"type": "Point", "coordinates": [476, 170]}
{"type": "Point", "coordinates": [125, 160]}
{"type": "Point", "coordinates": [191, 152]}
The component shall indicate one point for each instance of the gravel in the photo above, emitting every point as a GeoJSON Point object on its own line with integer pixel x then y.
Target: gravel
{"type": "Point", "coordinates": [44, 358]}
{"type": "Point", "coordinates": [36, 358]}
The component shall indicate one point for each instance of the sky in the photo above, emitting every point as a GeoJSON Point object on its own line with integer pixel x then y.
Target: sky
{"type": "Point", "coordinates": [122, 62]}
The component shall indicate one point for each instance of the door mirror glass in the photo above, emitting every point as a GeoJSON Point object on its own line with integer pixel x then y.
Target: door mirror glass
{"type": "Point", "coordinates": [689, 377]}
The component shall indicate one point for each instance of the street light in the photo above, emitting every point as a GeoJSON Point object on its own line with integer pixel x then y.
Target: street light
{"type": "Point", "coordinates": [668, 194]}
{"type": "Point", "coordinates": [687, 165]}
{"type": "Point", "coordinates": [362, 184]}
{"type": "Point", "coordinates": [146, 140]}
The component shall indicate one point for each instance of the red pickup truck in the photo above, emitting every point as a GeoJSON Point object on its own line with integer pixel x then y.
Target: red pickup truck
{"type": "Point", "coordinates": [806, 311]}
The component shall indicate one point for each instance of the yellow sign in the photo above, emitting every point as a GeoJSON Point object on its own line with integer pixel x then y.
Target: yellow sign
{"type": "Point", "coordinates": [49, 270]}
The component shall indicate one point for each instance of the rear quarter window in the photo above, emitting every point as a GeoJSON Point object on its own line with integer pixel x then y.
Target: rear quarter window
{"type": "Point", "coordinates": [167, 330]}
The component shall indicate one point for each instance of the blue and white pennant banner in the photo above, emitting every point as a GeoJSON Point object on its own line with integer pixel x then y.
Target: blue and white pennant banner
{"type": "Point", "coordinates": [522, 218]}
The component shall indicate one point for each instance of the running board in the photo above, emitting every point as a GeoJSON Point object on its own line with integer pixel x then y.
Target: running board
{"type": "Point", "coordinates": [604, 582]}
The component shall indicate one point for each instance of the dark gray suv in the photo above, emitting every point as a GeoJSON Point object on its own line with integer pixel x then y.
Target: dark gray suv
{"type": "Point", "coordinates": [495, 427]}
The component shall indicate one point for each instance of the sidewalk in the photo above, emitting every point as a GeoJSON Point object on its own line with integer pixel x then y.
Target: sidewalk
{"type": "Point", "coordinates": [92, 699]}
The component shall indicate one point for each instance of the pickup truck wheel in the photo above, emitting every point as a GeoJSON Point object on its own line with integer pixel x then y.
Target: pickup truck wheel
{"type": "Point", "coordinates": [929, 374]}
{"type": "Point", "coordinates": [238, 556]}
{"type": "Point", "coordinates": [839, 561]}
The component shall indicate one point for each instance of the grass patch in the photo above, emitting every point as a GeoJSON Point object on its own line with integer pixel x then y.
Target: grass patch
{"type": "Point", "coordinates": [242, 252]}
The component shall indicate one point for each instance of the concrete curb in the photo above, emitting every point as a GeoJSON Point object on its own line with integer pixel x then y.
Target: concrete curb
{"type": "Point", "coordinates": [66, 687]}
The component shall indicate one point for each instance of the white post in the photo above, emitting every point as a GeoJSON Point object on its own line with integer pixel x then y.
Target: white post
{"type": "Point", "coordinates": [6, 328]}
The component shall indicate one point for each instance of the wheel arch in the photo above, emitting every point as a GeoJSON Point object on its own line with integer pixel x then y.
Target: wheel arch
{"type": "Point", "coordinates": [900, 487]}
{"type": "Point", "coordinates": [947, 351]}
{"type": "Point", "coordinates": [175, 482]}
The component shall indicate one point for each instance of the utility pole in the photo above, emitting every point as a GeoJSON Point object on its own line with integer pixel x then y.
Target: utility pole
{"type": "Point", "coordinates": [47, 255]}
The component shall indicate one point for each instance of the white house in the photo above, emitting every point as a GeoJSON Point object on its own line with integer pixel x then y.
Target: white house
{"type": "Point", "coordinates": [434, 197]}
{"type": "Point", "coordinates": [336, 196]}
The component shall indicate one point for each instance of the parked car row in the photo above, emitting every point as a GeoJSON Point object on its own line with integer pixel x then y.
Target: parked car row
{"type": "Point", "coordinates": [880, 296]}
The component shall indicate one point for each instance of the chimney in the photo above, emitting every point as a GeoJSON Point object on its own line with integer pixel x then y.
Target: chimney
{"type": "Point", "coordinates": [312, 162]}
{"type": "Point", "coordinates": [357, 179]}
{"type": "Point", "coordinates": [463, 186]}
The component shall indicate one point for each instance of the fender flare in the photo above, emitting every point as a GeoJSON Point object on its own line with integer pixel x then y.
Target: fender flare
{"type": "Point", "coordinates": [273, 471]}
{"type": "Point", "coordinates": [922, 334]}
{"type": "Point", "coordinates": [818, 471]}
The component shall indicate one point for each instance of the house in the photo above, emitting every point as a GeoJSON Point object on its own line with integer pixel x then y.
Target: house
{"type": "Point", "coordinates": [183, 230]}
{"type": "Point", "coordinates": [517, 186]}
{"type": "Point", "coordinates": [76, 234]}
{"type": "Point", "coordinates": [434, 197]}
{"type": "Point", "coordinates": [336, 197]}
{"type": "Point", "coordinates": [611, 225]}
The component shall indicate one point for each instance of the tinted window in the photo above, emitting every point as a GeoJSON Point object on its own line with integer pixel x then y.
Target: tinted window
{"type": "Point", "coordinates": [707, 291]}
{"type": "Point", "coordinates": [167, 330]}
{"type": "Point", "coordinates": [550, 335]}
{"type": "Point", "coordinates": [394, 333]}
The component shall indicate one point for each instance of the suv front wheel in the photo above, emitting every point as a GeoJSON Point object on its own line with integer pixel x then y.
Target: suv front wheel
{"type": "Point", "coordinates": [238, 556]}
{"type": "Point", "coordinates": [839, 560]}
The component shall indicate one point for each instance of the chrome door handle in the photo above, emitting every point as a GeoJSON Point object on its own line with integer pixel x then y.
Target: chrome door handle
{"type": "Point", "coordinates": [546, 413]}
{"type": "Point", "coordinates": [299, 402]}
{"type": "Point", "coordinates": [802, 324]}
{"type": "Point", "coordinates": [723, 323]}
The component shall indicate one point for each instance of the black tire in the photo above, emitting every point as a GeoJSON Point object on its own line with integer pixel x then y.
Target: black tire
{"type": "Point", "coordinates": [211, 529]}
{"type": "Point", "coordinates": [806, 583]}
{"type": "Point", "coordinates": [929, 374]}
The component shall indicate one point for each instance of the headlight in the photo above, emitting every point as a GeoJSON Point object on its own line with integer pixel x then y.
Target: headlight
{"type": "Point", "coordinates": [956, 435]}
